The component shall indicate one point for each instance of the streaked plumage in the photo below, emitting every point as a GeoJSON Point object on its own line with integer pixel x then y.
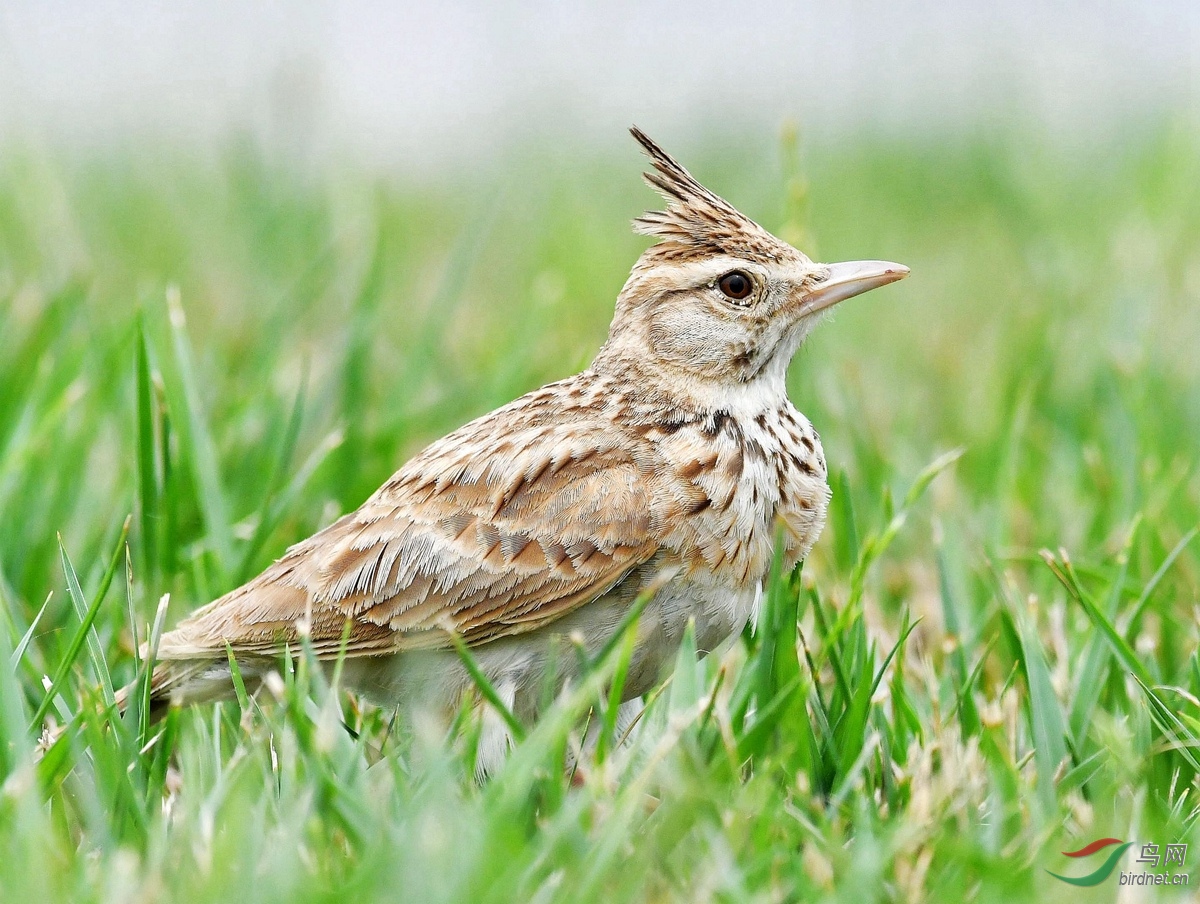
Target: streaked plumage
{"type": "Point", "coordinates": [674, 458]}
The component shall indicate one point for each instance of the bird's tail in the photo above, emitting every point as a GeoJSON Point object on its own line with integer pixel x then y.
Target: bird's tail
{"type": "Point", "coordinates": [177, 682]}
{"type": "Point", "coordinates": [181, 682]}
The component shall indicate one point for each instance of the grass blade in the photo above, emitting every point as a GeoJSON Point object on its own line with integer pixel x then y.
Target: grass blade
{"type": "Point", "coordinates": [487, 689]}
{"type": "Point", "coordinates": [202, 451]}
{"type": "Point", "coordinates": [1046, 722]}
{"type": "Point", "coordinates": [148, 495]}
{"type": "Point", "coordinates": [1066, 577]}
{"type": "Point", "coordinates": [19, 652]}
{"type": "Point", "coordinates": [146, 675]}
{"type": "Point", "coordinates": [1143, 600]}
{"type": "Point", "coordinates": [283, 459]}
{"type": "Point", "coordinates": [86, 632]}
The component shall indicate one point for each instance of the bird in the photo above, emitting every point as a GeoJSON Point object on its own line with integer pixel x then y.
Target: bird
{"type": "Point", "coordinates": [671, 466]}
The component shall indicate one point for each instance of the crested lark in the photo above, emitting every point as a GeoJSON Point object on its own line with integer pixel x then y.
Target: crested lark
{"type": "Point", "coordinates": [676, 457]}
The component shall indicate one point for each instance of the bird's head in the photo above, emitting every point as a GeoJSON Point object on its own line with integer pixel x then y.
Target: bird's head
{"type": "Point", "coordinates": [719, 300]}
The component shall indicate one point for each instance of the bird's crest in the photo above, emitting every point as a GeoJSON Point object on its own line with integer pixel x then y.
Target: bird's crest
{"type": "Point", "coordinates": [698, 223]}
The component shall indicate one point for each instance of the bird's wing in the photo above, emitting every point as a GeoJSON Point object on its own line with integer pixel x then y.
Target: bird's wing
{"type": "Point", "coordinates": [489, 532]}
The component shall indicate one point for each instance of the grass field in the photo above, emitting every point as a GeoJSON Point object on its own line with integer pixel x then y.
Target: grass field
{"type": "Point", "coordinates": [989, 659]}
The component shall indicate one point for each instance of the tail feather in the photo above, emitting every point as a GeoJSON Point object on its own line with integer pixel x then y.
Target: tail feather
{"type": "Point", "coordinates": [177, 682]}
{"type": "Point", "coordinates": [168, 678]}
{"type": "Point", "coordinates": [181, 682]}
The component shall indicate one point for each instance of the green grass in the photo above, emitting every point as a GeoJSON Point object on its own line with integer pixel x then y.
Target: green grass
{"type": "Point", "coordinates": [989, 659]}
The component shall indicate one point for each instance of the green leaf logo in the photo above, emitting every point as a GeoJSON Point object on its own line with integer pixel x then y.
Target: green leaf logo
{"type": "Point", "coordinates": [1106, 868]}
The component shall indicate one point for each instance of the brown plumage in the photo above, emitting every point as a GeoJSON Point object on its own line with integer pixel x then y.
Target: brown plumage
{"type": "Point", "coordinates": [672, 459]}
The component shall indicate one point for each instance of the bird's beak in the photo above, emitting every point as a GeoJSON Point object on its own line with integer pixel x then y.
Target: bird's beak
{"type": "Point", "coordinates": [849, 279]}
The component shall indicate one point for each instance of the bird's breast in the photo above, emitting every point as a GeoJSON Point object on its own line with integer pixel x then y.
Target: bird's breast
{"type": "Point", "coordinates": [736, 483]}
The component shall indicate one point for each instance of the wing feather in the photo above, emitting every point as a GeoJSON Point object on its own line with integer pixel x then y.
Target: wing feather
{"type": "Point", "coordinates": [489, 532]}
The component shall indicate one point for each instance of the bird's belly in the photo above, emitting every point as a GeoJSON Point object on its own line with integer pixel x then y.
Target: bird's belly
{"type": "Point", "coordinates": [719, 613]}
{"type": "Point", "coordinates": [518, 666]}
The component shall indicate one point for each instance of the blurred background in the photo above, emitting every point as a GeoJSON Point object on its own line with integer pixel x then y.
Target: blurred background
{"type": "Point", "coordinates": [408, 85]}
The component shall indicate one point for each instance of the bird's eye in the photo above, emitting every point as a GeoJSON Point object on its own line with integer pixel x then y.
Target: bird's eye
{"type": "Point", "coordinates": [736, 285]}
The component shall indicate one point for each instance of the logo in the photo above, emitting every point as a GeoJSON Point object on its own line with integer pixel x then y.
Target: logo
{"type": "Point", "coordinates": [1174, 854]}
